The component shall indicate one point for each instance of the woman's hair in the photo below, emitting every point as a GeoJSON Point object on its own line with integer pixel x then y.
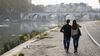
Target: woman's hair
{"type": "Point", "coordinates": [74, 25]}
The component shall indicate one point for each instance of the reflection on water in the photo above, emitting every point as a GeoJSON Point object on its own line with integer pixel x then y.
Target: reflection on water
{"type": "Point", "coordinates": [13, 30]}
{"type": "Point", "coordinates": [28, 27]}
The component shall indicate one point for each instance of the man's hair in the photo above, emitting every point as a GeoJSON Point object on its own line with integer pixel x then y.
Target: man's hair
{"type": "Point", "coordinates": [67, 21]}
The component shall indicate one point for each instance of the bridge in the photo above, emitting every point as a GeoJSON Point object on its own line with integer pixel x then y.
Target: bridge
{"type": "Point", "coordinates": [60, 16]}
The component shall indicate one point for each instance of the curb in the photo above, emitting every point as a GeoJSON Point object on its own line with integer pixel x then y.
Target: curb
{"type": "Point", "coordinates": [91, 37]}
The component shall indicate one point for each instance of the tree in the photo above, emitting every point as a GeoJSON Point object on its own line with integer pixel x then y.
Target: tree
{"type": "Point", "coordinates": [14, 5]}
{"type": "Point", "coordinates": [38, 8]}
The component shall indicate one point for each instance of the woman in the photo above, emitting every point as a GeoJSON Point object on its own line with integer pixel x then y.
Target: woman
{"type": "Point", "coordinates": [75, 34]}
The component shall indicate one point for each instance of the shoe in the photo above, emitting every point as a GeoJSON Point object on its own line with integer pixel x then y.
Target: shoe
{"type": "Point", "coordinates": [75, 51]}
{"type": "Point", "coordinates": [66, 50]}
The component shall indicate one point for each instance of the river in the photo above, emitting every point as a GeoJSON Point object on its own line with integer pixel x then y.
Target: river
{"type": "Point", "coordinates": [11, 31]}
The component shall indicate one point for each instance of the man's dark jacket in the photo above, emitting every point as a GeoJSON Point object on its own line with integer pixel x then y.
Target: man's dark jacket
{"type": "Point", "coordinates": [66, 29]}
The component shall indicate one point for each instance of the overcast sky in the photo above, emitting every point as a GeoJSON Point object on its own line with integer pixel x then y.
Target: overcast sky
{"type": "Point", "coordinates": [93, 3]}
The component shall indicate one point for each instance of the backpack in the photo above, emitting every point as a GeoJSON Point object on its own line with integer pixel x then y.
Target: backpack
{"type": "Point", "coordinates": [74, 32]}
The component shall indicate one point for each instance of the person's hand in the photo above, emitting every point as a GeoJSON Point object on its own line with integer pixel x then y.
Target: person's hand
{"type": "Point", "coordinates": [79, 26]}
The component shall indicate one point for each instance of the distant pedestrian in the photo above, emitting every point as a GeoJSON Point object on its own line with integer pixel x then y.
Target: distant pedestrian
{"type": "Point", "coordinates": [76, 33]}
{"type": "Point", "coordinates": [66, 29]}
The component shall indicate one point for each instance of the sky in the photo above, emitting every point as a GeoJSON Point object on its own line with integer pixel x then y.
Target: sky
{"type": "Point", "coordinates": [93, 3]}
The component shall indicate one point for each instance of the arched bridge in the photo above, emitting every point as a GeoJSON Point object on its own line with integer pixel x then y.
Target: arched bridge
{"type": "Point", "coordinates": [60, 16]}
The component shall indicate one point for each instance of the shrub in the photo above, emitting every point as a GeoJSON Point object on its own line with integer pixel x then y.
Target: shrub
{"type": "Point", "coordinates": [34, 33]}
{"type": "Point", "coordinates": [26, 37]}
{"type": "Point", "coordinates": [11, 44]}
{"type": "Point", "coordinates": [6, 47]}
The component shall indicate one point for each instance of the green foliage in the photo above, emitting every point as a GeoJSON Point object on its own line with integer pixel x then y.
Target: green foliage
{"type": "Point", "coordinates": [19, 5]}
{"type": "Point", "coordinates": [11, 44]}
{"type": "Point", "coordinates": [34, 33]}
{"type": "Point", "coordinates": [7, 46]}
{"type": "Point", "coordinates": [38, 8]}
{"type": "Point", "coordinates": [26, 37]}
{"type": "Point", "coordinates": [21, 39]}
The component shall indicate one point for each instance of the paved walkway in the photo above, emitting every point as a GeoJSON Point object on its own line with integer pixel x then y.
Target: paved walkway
{"type": "Point", "coordinates": [94, 31]}
{"type": "Point", "coordinates": [53, 46]}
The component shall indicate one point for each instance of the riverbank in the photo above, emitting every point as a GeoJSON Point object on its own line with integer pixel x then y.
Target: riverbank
{"type": "Point", "coordinates": [21, 46]}
{"type": "Point", "coordinates": [11, 43]}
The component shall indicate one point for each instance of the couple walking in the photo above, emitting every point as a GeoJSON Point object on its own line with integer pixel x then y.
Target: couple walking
{"type": "Point", "coordinates": [71, 31]}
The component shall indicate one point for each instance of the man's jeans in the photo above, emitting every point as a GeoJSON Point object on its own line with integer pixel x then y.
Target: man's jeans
{"type": "Point", "coordinates": [66, 42]}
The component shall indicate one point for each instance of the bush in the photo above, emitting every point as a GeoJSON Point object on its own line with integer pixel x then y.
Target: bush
{"type": "Point", "coordinates": [21, 39]}
{"type": "Point", "coordinates": [7, 46]}
{"type": "Point", "coordinates": [34, 33]}
{"type": "Point", "coordinates": [11, 44]}
{"type": "Point", "coordinates": [24, 37]}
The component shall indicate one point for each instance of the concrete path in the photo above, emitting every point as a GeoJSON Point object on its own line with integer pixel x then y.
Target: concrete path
{"type": "Point", "coordinates": [94, 31]}
{"type": "Point", "coordinates": [53, 46]}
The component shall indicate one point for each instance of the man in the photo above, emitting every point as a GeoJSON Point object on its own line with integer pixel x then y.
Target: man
{"type": "Point", "coordinates": [66, 29]}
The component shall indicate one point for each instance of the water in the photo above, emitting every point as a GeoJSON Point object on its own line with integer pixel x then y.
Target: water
{"type": "Point", "coordinates": [11, 31]}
